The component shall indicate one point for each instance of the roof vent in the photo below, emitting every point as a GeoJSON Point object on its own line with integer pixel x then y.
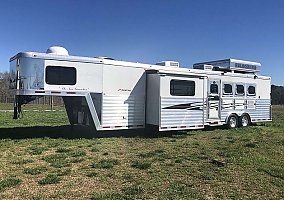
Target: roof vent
{"type": "Point", "coordinates": [57, 50]}
{"type": "Point", "coordinates": [168, 63]}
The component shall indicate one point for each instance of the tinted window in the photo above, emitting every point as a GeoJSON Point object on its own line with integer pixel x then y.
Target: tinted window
{"type": "Point", "coordinates": [214, 88]}
{"type": "Point", "coordinates": [182, 88]}
{"type": "Point", "coordinates": [56, 75]}
{"type": "Point", "coordinates": [228, 89]}
{"type": "Point", "coordinates": [240, 90]}
{"type": "Point", "coordinates": [251, 90]}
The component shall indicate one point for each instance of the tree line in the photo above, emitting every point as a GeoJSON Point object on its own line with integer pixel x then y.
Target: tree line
{"type": "Point", "coordinates": [277, 93]}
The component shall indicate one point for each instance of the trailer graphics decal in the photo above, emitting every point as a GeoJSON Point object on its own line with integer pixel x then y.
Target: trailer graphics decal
{"type": "Point", "coordinates": [187, 106]}
{"type": "Point", "coordinates": [199, 105]}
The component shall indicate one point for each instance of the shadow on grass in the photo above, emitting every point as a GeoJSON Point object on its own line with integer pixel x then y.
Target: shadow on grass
{"type": "Point", "coordinates": [73, 132]}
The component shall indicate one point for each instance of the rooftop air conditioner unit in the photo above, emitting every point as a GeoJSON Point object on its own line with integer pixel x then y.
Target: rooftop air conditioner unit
{"type": "Point", "coordinates": [203, 67]}
{"type": "Point", "coordinates": [168, 64]}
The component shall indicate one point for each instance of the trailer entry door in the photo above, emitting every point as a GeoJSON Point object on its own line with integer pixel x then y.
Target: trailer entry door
{"type": "Point", "coordinates": [214, 99]}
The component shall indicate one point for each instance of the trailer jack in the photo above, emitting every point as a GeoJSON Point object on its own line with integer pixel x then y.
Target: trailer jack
{"type": "Point", "coordinates": [17, 108]}
{"type": "Point", "coordinates": [19, 101]}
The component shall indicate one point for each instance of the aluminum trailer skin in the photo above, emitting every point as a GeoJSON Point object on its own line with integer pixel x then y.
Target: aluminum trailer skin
{"type": "Point", "coordinates": [107, 94]}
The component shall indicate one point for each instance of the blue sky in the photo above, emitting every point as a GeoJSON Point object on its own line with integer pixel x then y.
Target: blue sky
{"type": "Point", "coordinates": [149, 31]}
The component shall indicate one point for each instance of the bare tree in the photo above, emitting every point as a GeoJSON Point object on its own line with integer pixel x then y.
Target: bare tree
{"type": "Point", "coordinates": [4, 88]}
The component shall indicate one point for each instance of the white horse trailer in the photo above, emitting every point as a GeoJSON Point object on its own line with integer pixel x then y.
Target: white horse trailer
{"type": "Point", "coordinates": [110, 95]}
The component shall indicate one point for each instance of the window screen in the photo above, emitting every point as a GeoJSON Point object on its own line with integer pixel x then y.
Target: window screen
{"type": "Point", "coordinates": [228, 89]}
{"type": "Point", "coordinates": [240, 90]}
{"type": "Point", "coordinates": [251, 90]}
{"type": "Point", "coordinates": [182, 88]}
{"type": "Point", "coordinates": [56, 75]}
{"type": "Point", "coordinates": [214, 88]}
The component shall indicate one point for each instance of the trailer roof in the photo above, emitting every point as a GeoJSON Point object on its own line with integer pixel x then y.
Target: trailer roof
{"type": "Point", "coordinates": [106, 61]}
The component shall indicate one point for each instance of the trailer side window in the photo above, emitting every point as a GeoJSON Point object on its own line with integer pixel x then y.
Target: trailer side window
{"type": "Point", "coordinates": [227, 89]}
{"type": "Point", "coordinates": [56, 75]}
{"type": "Point", "coordinates": [182, 88]}
{"type": "Point", "coordinates": [214, 88]}
{"type": "Point", "coordinates": [240, 89]}
{"type": "Point", "coordinates": [251, 90]}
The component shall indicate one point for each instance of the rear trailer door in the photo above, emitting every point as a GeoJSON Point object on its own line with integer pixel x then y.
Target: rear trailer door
{"type": "Point", "coordinates": [181, 102]}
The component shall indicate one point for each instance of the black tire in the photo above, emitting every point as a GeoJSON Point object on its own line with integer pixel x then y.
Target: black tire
{"type": "Point", "coordinates": [244, 120]}
{"type": "Point", "coordinates": [233, 121]}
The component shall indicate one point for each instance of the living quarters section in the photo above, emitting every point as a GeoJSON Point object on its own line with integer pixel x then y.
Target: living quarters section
{"type": "Point", "coordinates": [80, 85]}
{"type": "Point", "coordinates": [73, 76]}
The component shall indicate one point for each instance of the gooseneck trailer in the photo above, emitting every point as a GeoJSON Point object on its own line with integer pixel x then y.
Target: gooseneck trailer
{"type": "Point", "coordinates": [108, 94]}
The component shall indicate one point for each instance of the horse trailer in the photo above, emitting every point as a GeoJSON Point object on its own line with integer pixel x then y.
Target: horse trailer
{"type": "Point", "coordinates": [108, 94]}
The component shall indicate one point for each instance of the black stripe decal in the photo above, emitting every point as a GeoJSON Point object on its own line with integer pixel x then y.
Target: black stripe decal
{"type": "Point", "coordinates": [187, 106]}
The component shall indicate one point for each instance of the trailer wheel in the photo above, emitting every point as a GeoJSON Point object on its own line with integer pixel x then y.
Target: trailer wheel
{"type": "Point", "coordinates": [232, 121]}
{"type": "Point", "coordinates": [244, 120]}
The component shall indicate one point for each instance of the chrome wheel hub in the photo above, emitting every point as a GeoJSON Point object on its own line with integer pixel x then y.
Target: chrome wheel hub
{"type": "Point", "coordinates": [244, 121]}
{"type": "Point", "coordinates": [233, 122]}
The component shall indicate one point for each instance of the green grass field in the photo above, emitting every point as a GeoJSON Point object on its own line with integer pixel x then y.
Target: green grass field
{"type": "Point", "coordinates": [41, 158]}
